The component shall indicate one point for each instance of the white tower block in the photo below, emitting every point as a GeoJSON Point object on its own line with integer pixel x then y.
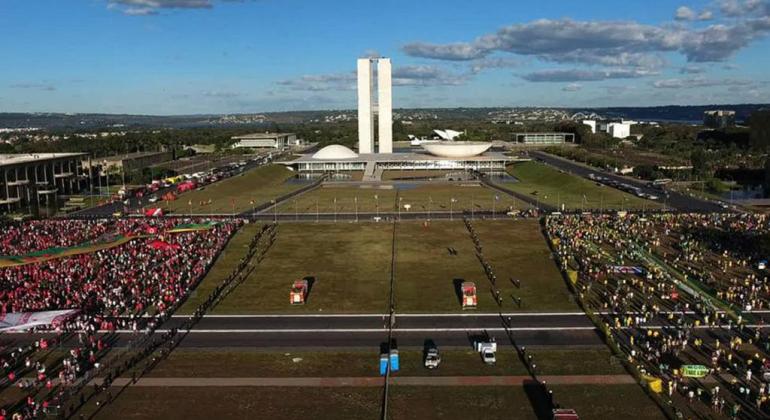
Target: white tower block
{"type": "Point", "coordinates": [384, 106]}
{"type": "Point", "coordinates": [365, 109]}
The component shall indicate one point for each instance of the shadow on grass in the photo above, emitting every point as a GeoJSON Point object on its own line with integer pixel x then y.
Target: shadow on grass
{"type": "Point", "coordinates": [539, 399]}
{"type": "Point", "coordinates": [458, 285]}
{"type": "Point", "coordinates": [310, 283]}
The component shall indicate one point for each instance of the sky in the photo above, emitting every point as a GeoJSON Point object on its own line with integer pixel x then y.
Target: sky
{"type": "Point", "coordinates": [173, 57]}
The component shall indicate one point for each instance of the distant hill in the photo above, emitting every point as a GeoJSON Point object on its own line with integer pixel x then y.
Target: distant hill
{"type": "Point", "coordinates": [672, 113]}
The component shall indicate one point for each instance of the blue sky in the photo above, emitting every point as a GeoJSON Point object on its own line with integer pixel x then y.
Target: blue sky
{"type": "Point", "coordinates": [232, 56]}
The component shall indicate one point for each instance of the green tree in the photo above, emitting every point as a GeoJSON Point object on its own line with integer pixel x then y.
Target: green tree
{"type": "Point", "coordinates": [759, 136]}
{"type": "Point", "coordinates": [700, 163]}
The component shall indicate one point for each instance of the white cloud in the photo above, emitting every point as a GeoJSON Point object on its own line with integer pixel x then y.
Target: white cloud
{"type": "Point", "coordinates": [606, 42]}
{"type": "Point", "coordinates": [152, 7]}
{"type": "Point", "coordinates": [698, 82]}
{"type": "Point", "coordinates": [34, 86]}
{"type": "Point", "coordinates": [572, 87]}
{"type": "Point", "coordinates": [582, 75]}
{"type": "Point", "coordinates": [417, 76]}
{"type": "Point", "coordinates": [684, 13]}
{"type": "Point", "coordinates": [691, 69]}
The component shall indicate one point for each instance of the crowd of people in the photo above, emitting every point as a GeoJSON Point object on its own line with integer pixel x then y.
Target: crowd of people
{"type": "Point", "coordinates": [671, 291]}
{"type": "Point", "coordinates": [133, 285]}
{"type": "Point", "coordinates": [20, 238]}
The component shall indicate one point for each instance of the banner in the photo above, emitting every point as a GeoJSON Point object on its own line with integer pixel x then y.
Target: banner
{"type": "Point", "coordinates": [694, 371]}
{"type": "Point", "coordinates": [154, 212]}
{"type": "Point", "coordinates": [191, 227]}
{"type": "Point", "coordinates": [25, 320]}
{"type": "Point", "coordinates": [626, 269]}
{"type": "Point", "coordinates": [105, 242]}
{"type": "Point", "coordinates": [163, 245]}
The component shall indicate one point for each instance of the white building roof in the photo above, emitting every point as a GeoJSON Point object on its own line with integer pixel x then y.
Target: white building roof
{"type": "Point", "coordinates": [335, 152]}
{"type": "Point", "coordinates": [15, 159]}
{"type": "Point", "coordinates": [456, 149]}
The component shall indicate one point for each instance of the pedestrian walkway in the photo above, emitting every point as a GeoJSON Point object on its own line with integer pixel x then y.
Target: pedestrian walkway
{"type": "Point", "coordinates": [375, 381]}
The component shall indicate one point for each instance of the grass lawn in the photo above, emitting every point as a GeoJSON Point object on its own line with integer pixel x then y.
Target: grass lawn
{"type": "Point", "coordinates": [223, 266]}
{"type": "Point", "coordinates": [553, 187]}
{"type": "Point", "coordinates": [488, 402]}
{"type": "Point", "coordinates": [259, 185]}
{"type": "Point", "coordinates": [426, 272]}
{"type": "Point", "coordinates": [517, 249]}
{"type": "Point", "coordinates": [607, 401]}
{"type": "Point", "coordinates": [244, 403]}
{"type": "Point", "coordinates": [422, 197]}
{"type": "Point", "coordinates": [216, 363]}
{"type": "Point", "coordinates": [405, 402]}
{"type": "Point", "coordinates": [350, 265]}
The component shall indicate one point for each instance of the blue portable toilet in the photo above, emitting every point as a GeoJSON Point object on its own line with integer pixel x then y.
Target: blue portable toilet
{"type": "Point", "coordinates": [383, 364]}
{"type": "Point", "coordinates": [394, 360]}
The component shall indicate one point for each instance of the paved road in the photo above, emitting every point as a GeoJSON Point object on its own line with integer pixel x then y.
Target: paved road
{"type": "Point", "coordinates": [375, 323]}
{"type": "Point", "coordinates": [675, 199]}
{"type": "Point", "coordinates": [368, 331]}
{"type": "Point", "coordinates": [376, 381]}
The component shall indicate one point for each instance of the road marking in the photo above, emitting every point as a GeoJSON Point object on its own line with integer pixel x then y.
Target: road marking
{"type": "Point", "coordinates": [458, 315]}
{"type": "Point", "coordinates": [366, 330]}
{"type": "Point", "coordinates": [440, 315]}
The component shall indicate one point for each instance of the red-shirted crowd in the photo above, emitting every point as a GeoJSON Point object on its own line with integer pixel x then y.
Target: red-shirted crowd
{"type": "Point", "coordinates": [112, 288]}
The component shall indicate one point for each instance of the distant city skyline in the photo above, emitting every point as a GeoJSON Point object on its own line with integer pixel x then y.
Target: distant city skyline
{"type": "Point", "coordinates": [173, 57]}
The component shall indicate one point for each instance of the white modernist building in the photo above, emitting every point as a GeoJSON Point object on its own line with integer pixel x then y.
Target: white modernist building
{"type": "Point", "coordinates": [366, 105]}
{"type": "Point", "coordinates": [438, 155]}
{"type": "Point", "coordinates": [619, 130]}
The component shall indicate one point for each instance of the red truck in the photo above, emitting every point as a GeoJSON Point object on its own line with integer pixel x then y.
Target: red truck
{"type": "Point", "coordinates": [470, 300]}
{"type": "Point", "coordinates": [298, 292]}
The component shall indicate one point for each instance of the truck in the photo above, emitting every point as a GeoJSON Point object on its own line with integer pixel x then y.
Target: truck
{"type": "Point", "coordinates": [298, 292]}
{"type": "Point", "coordinates": [469, 298]}
{"type": "Point", "coordinates": [432, 358]}
{"type": "Point", "coordinates": [487, 350]}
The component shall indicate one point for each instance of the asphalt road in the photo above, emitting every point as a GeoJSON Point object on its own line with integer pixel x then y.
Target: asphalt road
{"type": "Point", "coordinates": [370, 330]}
{"type": "Point", "coordinates": [675, 200]}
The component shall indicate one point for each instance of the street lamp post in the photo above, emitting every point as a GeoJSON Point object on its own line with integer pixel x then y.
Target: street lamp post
{"type": "Point", "coordinates": [355, 200]}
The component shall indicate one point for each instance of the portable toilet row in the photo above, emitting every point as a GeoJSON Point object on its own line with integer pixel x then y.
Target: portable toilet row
{"type": "Point", "coordinates": [392, 358]}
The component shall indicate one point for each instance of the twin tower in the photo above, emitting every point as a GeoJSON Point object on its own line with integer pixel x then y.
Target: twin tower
{"type": "Point", "coordinates": [366, 106]}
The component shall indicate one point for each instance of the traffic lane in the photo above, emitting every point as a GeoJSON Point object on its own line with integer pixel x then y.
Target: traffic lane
{"type": "Point", "coordinates": [403, 339]}
{"type": "Point", "coordinates": [676, 200]}
{"type": "Point", "coordinates": [282, 322]}
{"type": "Point", "coordinates": [347, 339]}
{"type": "Point", "coordinates": [299, 322]}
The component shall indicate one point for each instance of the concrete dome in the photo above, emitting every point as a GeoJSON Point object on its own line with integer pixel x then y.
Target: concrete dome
{"type": "Point", "coordinates": [456, 149]}
{"type": "Point", "coordinates": [335, 152]}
